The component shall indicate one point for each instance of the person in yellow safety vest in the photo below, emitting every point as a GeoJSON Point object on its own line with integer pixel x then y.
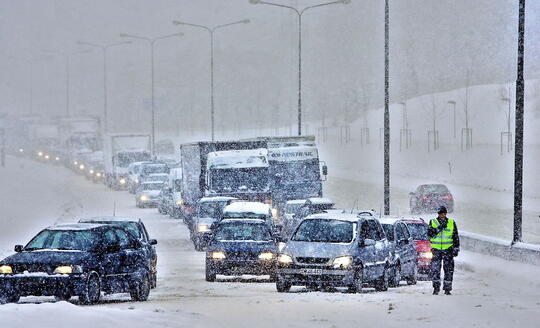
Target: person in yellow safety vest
{"type": "Point", "coordinates": [444, 238]}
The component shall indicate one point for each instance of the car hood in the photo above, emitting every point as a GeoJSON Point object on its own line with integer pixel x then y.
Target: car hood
{"type": "Point", "coordinates": [311, 249]}
{"type": "Point", "coordinates": [250, 247]}
{"type": "Point", "coordinates": [54, 257]}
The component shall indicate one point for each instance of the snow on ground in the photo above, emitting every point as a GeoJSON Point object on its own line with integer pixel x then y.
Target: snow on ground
{"type": "Point", "coordinates": [489, 292]}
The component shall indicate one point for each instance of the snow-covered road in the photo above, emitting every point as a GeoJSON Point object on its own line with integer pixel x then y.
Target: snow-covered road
{"type": "Point", "coordinates": [489, 292]}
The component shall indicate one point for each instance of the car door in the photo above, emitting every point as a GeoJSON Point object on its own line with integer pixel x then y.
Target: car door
{"type": "Point", "coordinates": [407, 248]}
{"type": "Point", "coordinates": [366, 253]}
{"type": "Point", "coordinates": [133, 255]}
{"type": "Point", "coordinates": [112, 259]}
{"type": "Point", "coordinates": [382, 248]}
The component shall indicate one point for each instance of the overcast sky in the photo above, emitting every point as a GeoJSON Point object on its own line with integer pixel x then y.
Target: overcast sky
{"type": "Point", "coordinates": [433, 46]}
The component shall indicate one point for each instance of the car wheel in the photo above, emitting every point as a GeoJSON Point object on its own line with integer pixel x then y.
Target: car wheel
{"type": "Point", "coordinates": [273, 276]}
{"type": "Point", "coordinates": [210, 273]}
{"type": "Point", "coordinates": [92, 290]}
{"type": "Point", "coordinates": [198, 246]}
{"type": "Point", "coordinates": [4, 298]}
{"type": "Point", "coordinates": [382, 284]}
{"type": "Point", "coordinates": [141, 289]}
{"type": "Point", "coordinates": [62, 298]}
{"type": "Point", "coordinates": [413, 279]}
{"type": "Point", "coordinates": [358, 283]}
{"type": "Point", "coordinates": [282, 285]}
{"type": "Point", "coordinates": [396, 277]}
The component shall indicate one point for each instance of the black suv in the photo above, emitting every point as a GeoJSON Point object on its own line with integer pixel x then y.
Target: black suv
{"type": "Point", "coordinates": [77, 260]}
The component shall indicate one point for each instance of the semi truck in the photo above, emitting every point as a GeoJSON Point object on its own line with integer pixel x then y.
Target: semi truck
{"type": "Point", "coordinates": [79, 136]}
{"type": "Point", "coordinates": [272, 170]}
{"type": "Point", "coordinates": [119, 151]}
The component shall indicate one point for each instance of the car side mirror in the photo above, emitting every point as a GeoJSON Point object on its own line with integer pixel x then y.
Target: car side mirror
{"type": "Point", "coordinates": [152, 242]}
{"type": "Point", "coordinates": [368, 242]}
{"type": "Point", "coordinates": [325, 170]}
{"type": "Point", "coordinates": [19, 248]}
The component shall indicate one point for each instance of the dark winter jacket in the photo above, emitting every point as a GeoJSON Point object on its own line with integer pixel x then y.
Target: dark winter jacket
{"type": "Point", "coordinates": [432, 232]}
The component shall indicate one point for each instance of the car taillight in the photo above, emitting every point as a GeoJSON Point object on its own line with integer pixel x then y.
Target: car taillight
{"type": "Point", "coordinates": [448, 197]}
{"type": "Point", "coordinates": [425, 197]}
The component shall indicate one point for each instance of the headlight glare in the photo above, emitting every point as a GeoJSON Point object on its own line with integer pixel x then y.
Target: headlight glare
{"type": "Point", "coordinates": [203, 227]}
{"type": "Point", "coordinates": [266, 256]}
{"type": "Point", "coordinates": [218, 255]}
{"type": "Point", "coordinates": [426, 255]}
{"type": "Point", "coordinates": [122, 181]}
{"type": "Point", "coordinates": [285, 259]}
{"type": "Point", "coordinates": [68, 269]}
{"type": "Point", "coordinates": [143, 197]}
{"type": "Point", "coordinates": [6, 269]}
{"type": "Point", "coordinates": [342, 262]}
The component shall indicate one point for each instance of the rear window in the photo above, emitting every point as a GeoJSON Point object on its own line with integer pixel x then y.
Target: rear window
{"type": "Point", "coordinates": [434, 189]}
{"type": "Point", "coordinates": [418, 231]}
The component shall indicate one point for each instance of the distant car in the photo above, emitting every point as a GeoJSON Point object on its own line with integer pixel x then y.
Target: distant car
{"type": "Point", "coordinates": [241, 246]}
{"type": "Point", "coordinates": [338, 250]}
{"type": "Point", "coordinates": [77, 260]}
{"type": "Point", "coordinates": [249, 210]}
{"type": "Point", "coordinates": [133, 176]}
{"type": "Point", "coordinates": [297, 210]}
{"type": "Point", "coordinates": [137, 228]}
{"type": "Point", "coordinates": [428, 197]}
{"type": "Point", "coordinates": [209, 210]}
{"type": "Point", "coordinates": [404, 259]}
{"type": "Point", "coordinates": [148, 193]}
{"type": "Point", "coordinates": [418, 229]}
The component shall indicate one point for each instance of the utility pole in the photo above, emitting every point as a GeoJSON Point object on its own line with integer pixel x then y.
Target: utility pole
{"type": "Point", "coordinates": [386, 109]}
{"type": "Point", "coordinates": [520, 101]}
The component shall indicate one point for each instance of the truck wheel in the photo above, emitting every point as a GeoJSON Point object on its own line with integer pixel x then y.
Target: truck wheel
{"type": "Point", "coordinates": [210, 273]}
{"type": "Point", "coordinates": [141, 289]}
{"type": "Point", "coordinates": [92, 290]}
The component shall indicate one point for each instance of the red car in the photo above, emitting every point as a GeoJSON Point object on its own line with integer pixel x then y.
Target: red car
{"type": "Point", "coordinates": [428, 197]}
{"type": "Point", "coordinates": [418, 228]}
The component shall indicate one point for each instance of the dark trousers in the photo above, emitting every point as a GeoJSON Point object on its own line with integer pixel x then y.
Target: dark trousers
{"type": "Point", "coordinates": [444, 258]}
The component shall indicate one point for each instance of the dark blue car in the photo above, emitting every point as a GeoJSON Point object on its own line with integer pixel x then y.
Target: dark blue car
{"type": "Point", "coordinates": [81, 260]}
{"type": "Point", "coordinates": [241, 246]}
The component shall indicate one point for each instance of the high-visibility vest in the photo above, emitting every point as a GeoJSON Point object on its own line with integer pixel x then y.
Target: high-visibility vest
{"type": "Point", "coordinates": [444, 239]}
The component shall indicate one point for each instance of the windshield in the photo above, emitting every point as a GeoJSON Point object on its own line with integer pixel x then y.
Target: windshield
{"type": "Point", "coordinates": [211, 209]}
{"type": "Point", "coordinates": [65, 240]}
{"type": "Point", "coordinates": [124, 159]}
{"type": "Point", "coordinates": [239, 179]}
{"type": "Point", "coordinates": [418, 231]}
{"type": "Point", "coordinates": [325, 231]}
{"type": "Point", "coordinates": [155, 168]}
{"type": "Point", "coordinates": [84, 142]}
{"type": "Point", "coordinates": [245, 215]}
{"type": "Point", "coordinates": [296, 172]}
{"type": "Point", "coordinates": [389, 231]}
{"type": "Point", "coordinates": [151, 186]}
{"type": "Point", "coordinates": [240, 231]}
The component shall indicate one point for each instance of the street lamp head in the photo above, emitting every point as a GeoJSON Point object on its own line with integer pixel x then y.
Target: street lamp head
{"type": "Point", "coordinates": [345, 2]}
{"type": "Point", "coordinates": [124, 35]}
{"type": "Point", "coordinates": [175, 22]}
{"type": "Point", "coordinates": [245, 21]}
{"type": "Point", "coordinates": [254, 2]}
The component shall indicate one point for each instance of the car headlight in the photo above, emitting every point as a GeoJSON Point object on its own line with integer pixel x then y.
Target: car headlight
{"type": "Point", "coordinates": [6, 269]}
{"type": "Point", "coordinates": [91, 171]}
{"type": "Point", "coordinates": [98, 174]}
{"type": "Point", "coordinates": [179, 202]}
{"type": "Point", "coordinates": [122, 181]}
{"type": "Point", "coordinates": [426, 255]}
{"type": "Point", "coordinates": [136, 180]}
{"type": "Point", "coordinates": [81, 166]}
{"type": "Point", "coordinates": [203, 227]}
{"type": "Point", "coordinates": [218, 255]}
{"type": "Point", "coordinates": [342, 262]}
{"type": "Point", "coordinates": [274, 213]}
{"type": "Point", "coordinates": [143, 197]}
{"type": "Point", "coordinates": [21, 150]}
{"type": "Point", "coordinates": [57, 158]}
{"type": "Point", "coordinates": [47, 157]}
{"type": "Point", "coordinates": [266, 256]}
{"type": "Point", "coordinates": [75, 163]}
{"type": "Point", "coordinates": [68, 269]}
{"type": "Point", "coordinates": [40, 154]}
{"type": "Point", "coordinates": [285, 259]}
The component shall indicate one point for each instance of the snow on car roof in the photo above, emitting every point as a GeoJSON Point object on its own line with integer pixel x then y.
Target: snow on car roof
{"type": "Point", "coordinates": [109, 219]}
{"type": "Point", "coordinates": [216, 199]}
{"type": "Point", "coordinates": [247, 207]}
{"type": "Point", "coordinates": [335, 216]}
{"type": "Point", "coordinates": [243, 220]}
{"type": "Point", "coordinates": [320, 201]}
{"type": "Point", "coordinates": [76, 226]}
{"type": "Point", "coordinates": [296, 201]}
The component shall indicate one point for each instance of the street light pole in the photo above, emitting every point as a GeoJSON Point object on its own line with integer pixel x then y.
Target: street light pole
{"type": "Point", "coordinates": [520, 102]}
{"type": "Point", "coordinates": [299, 13]}
{"type": "Point", "coordinates": [386, 109]}
{"type": "Point", "coordinates": [104, 48]}
{"type": "Point", "coordinates": [152, 42]}
{"type": "Point", "coordinates": [453, 103]}
{"type": "Point", "coordinates": [211, 31]}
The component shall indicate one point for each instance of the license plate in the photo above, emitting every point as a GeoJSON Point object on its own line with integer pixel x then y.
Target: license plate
{"type": "Point", "coordinates": [312, 271]}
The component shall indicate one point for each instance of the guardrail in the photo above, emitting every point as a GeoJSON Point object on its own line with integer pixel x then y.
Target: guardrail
{"type": "Point", "coordinates": [519, 252]}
